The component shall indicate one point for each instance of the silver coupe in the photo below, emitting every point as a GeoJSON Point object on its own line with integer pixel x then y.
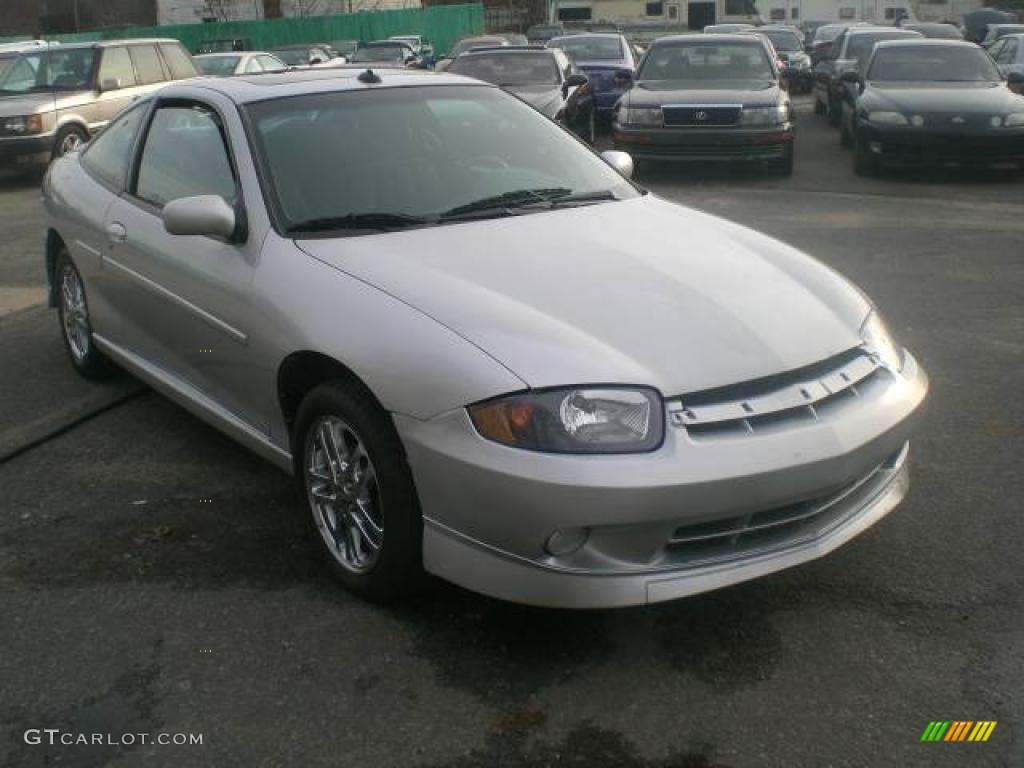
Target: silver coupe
{"type": "Point", "coordinates": [481, 350]}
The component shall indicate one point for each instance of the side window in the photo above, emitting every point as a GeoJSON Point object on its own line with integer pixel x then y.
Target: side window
{"type": "Point", "coordinates": [116, 69]}
{"type": "Point", "coordinates": [184, 155]}
{"type": "Point", "coordinates": [147, 64]}
{"type": "Point", "coordinates": [995, 50]}
{"type": "Point", "coordinates": [270, 64]}
{"type": "Point", "coordinates": [109, 154]}
{"type": "Point", "coordinates": [179, 62]}
{"type": "Point", "coordinates": [254, 65]}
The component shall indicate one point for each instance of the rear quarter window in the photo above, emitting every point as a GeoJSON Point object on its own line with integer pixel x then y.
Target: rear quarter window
{"type": "Point", "coordinates": [178, 61]}
{"type": "Point", "coordinates": [147, 64]}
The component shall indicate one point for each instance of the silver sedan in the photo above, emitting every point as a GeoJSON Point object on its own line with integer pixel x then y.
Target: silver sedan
{"type": "Point", "coordinates": [480, 349]}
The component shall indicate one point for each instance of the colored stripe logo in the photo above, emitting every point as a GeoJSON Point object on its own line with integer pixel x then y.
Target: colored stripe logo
{"type": "Point", "coordinates": [958, 730]}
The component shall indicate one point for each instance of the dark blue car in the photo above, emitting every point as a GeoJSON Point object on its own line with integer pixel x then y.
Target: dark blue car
{"type": "Point", "coordinates": [599, 56]}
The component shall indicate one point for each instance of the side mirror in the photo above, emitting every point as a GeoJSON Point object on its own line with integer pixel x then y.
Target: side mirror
{"type": "Point", "coordinates": [620, 161]}
{"type": "Point", "coordinates": [852, 77]}
{"type": "Point", "coordinates": [623, 78]}
{"type": "Point", "coordinates": [573, 81]}
{"type": "Point", "coordinates": [208, 215]}
{"type": "Point", "coordinates": [110, 84]}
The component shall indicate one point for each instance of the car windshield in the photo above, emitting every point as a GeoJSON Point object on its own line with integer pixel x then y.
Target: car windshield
{"type": "Point", "coordinates": [508, 68]}
{"type": "Point", "coordinates": [393, 157]}
{"type": "Point", "coordinates": [56, 70]}
{"type": "Point", "coordinates": [859, 47]}
{"type": "Point", "coordinates": [590, 48]}
{"type": "Point", "coordinates": [707, 61]}
{"type": "Point", "coordinates": [217, 65]}
{"type": "Point", "coordinates": [381, 53]}
{"type": "Point", "coordinates": [933, 64]}
{"type": "Point", "coordinates": [783, 40]}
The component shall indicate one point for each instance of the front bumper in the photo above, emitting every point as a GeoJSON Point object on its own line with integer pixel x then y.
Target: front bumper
{"type": "Point", "coordinates": [654, 521]}
{"type": "Point", "coordinates": [698, 145]}
{"type": "Point", "coordinates": [916, 147]}
{"type": "Point", "coordinates": [13, 147]}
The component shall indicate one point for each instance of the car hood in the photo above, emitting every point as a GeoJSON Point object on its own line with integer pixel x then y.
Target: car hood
{"type": "Point", "coordinates": [30, 104]}
{"type": "Point", "coordinates": [962, 98]}
{"type": "Point", "coordinates": [640, 291]}
{"type": "Point", "coordinates": [546, 98]}
{"type": "Point", "coordinates": [750, 93]}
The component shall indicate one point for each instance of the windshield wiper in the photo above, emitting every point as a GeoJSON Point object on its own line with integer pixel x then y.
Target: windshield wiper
{"type": "Point", "coordinates": [507, 200]}
{"type": "Point", "coordinates": [581, 198]}
{"type": "Point", "coordinates": [378, 221]}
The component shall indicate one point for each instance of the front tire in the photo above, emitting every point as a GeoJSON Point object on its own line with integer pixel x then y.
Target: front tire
{"type": "Point", "coordinates": [68, 139]}
{"type": "Point", "coordinates": [784, 166]}
{"type": "Point", "coordinates": [76, 329]}
{"type": "Point", "coordinates": [360, 498]}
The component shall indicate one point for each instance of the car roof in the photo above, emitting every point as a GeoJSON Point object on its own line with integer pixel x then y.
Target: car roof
{"type": "Point", "coordinates": [112, 43]}
{"type": "Point", "coordinates": [712, 37]}
{"type": "Point", "coordinates": [875, 30]}
{"type": "Point", "coordinates": [247, 89]}
{"type": "Point", "coordinates": [921, 42]}
{"type": "Point", "coordinates": [507, 49]}
{"type": "Point", "coordinates": [578, 35]}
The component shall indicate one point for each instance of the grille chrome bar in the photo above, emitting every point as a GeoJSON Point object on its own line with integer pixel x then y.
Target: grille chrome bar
{"type": "Point", "coordinates": [797, 396]}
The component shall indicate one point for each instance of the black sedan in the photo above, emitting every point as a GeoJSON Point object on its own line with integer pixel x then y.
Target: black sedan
{"type": "Point", "coordinates": [707, 98]}
{"type": "Point", "coordinates": [924, 102]}
{"type": "Point", "coordinates": [545, 78]}
{"type": "Point", "coordinates": [796, 64]}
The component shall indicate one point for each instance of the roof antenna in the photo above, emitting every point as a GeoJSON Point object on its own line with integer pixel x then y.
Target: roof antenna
{"type": "Point", "coordinates": [369, 76]}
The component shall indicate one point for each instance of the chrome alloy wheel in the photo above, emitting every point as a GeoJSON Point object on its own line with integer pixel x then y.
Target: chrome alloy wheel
{"type": "Point", "coordinates": [343, 493]}
{"type": "Point", "coordinates": [69, 143]}
{"type": "Point", "coordinates": [74, 314]}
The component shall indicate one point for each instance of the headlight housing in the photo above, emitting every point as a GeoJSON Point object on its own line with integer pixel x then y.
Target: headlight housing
{"type": "Point", "coordinates": [23, 124]}
{"type": "Point", "coordinates": [1014, 120]}
{"type": "Point", "coordinates": [887, 118]}
{"type": "Point", "coordinates": [764, 116]}
{"type": "Point", "coordinates": [648, 117]}
{"type": "Point", "coordinates": [880, 343]}
{"type": "Point", "coordinates": [585, 419]}
{"type": "Point", "coordinates": [800, 61]}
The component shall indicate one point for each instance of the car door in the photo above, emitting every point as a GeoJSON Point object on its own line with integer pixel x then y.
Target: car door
{"type": "Point", "coordinates": [189, 313]}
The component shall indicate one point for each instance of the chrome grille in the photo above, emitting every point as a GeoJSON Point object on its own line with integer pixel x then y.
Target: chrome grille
{"type": "Point", "coordinates": [697, 115]}
{"type": "Point", "coordinates": [804, 395]}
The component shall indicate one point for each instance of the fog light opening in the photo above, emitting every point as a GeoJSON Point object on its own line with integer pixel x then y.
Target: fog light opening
{"type": "Point", "coordinates": [566, 541]}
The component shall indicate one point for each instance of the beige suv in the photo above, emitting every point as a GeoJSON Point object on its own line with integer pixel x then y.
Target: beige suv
{"type": "Point", "coordinates": [53, 100]}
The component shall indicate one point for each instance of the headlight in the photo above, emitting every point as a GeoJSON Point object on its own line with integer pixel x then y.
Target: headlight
{"type": "Point", "coordinates": [887, 118]}
{"type": "Point", "coordinates": [776, 115]}
{"type": "Point", "coordinates": [27, 124]}
{"type": "Point", "coordinates": [879, 342]}
{"type": "Point", "coordinates": [800, 61]}
{"type": "Point", "coordinates": [645, 116]}
{"type": "Point", "coordinates": [574, 420]}
{"type": "Point", "coordinates": [1015, 120]}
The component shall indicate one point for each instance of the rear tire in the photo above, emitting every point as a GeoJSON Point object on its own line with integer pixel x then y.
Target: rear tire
{"type": "Point", "coordinates": [819, 107]}
{"type": "Point", "coordinates": [834, 112]}
{"type": "Point", "coordinates": [76, 329]}
{"type": "Point", "coordinates": [361, 503]}
{"type": "Point", "coordinates": [845, 137]}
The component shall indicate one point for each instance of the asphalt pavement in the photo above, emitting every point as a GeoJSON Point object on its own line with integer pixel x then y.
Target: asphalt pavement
{"type": "Point", "coordinates": [154, 576]}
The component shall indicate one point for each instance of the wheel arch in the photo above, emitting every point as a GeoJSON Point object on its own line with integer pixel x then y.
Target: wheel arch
{"type": "Point", "coordinates": [304, 370]}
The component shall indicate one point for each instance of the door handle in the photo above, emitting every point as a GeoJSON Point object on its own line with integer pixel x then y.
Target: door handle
{"type": "Point", "coordinates": [116, 232]}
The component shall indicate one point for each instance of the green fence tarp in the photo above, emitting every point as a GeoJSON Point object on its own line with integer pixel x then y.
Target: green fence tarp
{"type": "Point", "coordinates": [442, 25]}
